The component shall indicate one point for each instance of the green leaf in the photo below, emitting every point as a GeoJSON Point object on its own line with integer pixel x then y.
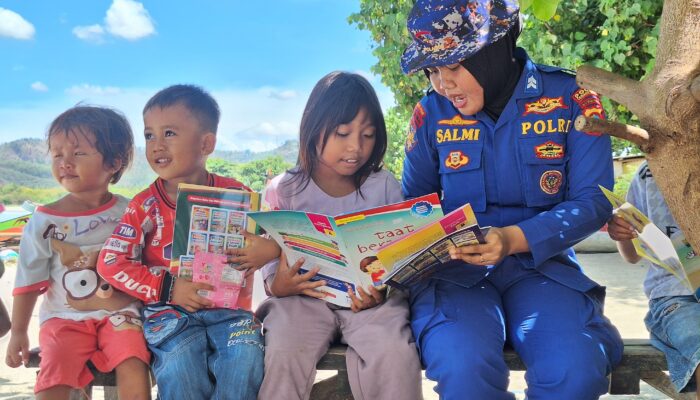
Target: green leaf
{"type": "Point", "coordinates": [619, 58]}
{"type": "Point", "coordinates": [525, 4]}
{"type": "Point", "coordinates": [579, 35]}
{"type": "Point", "coordinates": [544, 9]}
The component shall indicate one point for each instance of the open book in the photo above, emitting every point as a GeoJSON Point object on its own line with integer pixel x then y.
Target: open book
{"type": "Point", "coordinates": [344, 247]}
{"type": "Point", "coordinates": [673, 254]}
{"type": "Point", "coordinates": [209, 220]}
{"type": "Point", "coordinates": [420, 254]}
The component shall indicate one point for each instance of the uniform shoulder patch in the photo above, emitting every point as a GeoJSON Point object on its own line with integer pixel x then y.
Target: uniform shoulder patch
{"type": "Point", "coordinates": [590, 105]}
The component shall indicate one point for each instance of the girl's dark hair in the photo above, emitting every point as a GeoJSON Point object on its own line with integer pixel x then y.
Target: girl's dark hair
{"type": "Point", "coordinates": [336, 100]}
{"type": "Point", "coordinates": [113, 136]}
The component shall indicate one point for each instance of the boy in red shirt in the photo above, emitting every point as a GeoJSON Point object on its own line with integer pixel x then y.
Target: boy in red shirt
{"type": "Point", "coordinates": [198, 351]}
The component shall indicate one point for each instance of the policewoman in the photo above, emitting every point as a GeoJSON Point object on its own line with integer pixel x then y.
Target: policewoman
{"type": "Point", "coordinates": [497, 131]}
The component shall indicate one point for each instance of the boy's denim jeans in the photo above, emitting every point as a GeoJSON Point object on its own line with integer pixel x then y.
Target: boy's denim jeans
{"type": "Point", "coordinates": [674, 326]}
{"type": "Point", "coordinates": [209, 354]}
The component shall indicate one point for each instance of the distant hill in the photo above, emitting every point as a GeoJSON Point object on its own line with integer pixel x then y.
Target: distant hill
{"type": "Point", "coordinates": [25, 162]}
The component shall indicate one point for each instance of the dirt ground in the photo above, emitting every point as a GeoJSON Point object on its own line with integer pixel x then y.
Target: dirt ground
{"type": "Point", "coordinates": [625, 306]}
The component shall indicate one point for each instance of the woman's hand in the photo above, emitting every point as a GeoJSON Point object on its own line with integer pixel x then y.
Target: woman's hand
{"type": "Point", "coordinates": [257, 252]}
{"type": "Point", "coordinates": [185, 295]}
{"type": "Point", "coordinates": [500, 243]}
{"type": "Point", "coordinates": [620, 230]}
{"type": "Point", "coordinates": [366, 299]}
{"type": "Point", "coordinates": [289, 282]}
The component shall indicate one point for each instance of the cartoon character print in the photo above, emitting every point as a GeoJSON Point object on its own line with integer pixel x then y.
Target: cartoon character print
{"type": "Point", "coordinates": [85, 288]}
{"type": "Point", "coordinates": [372, 266]}
{"type": "Point", "coordinates": [160, 323]}
{"type": "Point", "coordinates": [125, 321]}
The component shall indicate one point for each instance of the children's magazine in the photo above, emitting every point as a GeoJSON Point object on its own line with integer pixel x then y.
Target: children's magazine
{"type": "Point", "coordinates": [674, 254]}
{"type": "Point", "coordinates": [416, 256]}
{"type": "Point", "coordinates": [225, 278]}
{"type": "Point", "coordinates": [344, 247]}
{"type": "Point", "coordinates": [209, 220]}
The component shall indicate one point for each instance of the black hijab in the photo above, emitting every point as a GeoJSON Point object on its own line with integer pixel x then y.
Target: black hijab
{"type": "Point", "coordinates": [497, 71]}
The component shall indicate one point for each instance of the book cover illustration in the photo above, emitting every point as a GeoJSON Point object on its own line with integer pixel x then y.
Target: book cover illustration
{"type": "Point", "coordinates": [209, 220]}
{"type": "Point", "coordinates": [227, 281]}
{"type": "Point", "coordinates": [420, 254]}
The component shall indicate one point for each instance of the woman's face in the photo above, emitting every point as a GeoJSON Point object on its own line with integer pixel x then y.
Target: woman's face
{"type": "Point", "coordinates": [458, 85]}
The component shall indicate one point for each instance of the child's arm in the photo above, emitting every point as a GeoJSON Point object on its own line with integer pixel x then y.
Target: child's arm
{"type": "Point", "coordinates": [120, 262]}
{"type": "Point", "coordinates": [288, 281]}
{"type": "Point", "coordinates": [257, 252]}
{"type": "Point", "coordinates": [18, 348]}
{"type": "Point", "coordinates": [622, 232]}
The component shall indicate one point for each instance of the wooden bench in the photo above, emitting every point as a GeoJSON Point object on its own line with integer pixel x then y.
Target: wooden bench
{"type": "Point", "coordinates": [640, 362]}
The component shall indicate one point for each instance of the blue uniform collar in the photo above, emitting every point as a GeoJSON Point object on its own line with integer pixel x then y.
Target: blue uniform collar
{"type": "Point", "coordinates": [530, 84]}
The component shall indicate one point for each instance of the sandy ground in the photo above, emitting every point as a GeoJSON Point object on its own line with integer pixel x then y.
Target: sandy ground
{"type": "Point", "coordinates": [626, 306]}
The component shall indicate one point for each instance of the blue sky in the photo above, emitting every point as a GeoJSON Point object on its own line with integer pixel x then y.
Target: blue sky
{"type": "Point", "coordinates": [259, 60]}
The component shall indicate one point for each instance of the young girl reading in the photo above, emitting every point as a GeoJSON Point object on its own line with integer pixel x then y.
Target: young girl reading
{"type": "Point", "coordinates": [342, 143]}
{"type": "Point", "coordinates": [82, 318]}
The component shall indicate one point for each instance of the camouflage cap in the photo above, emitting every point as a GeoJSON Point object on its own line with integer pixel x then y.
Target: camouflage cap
{"type": "Point", "coordinates": [447, 32]}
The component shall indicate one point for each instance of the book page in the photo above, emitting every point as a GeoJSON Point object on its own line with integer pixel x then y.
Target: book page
{"type": "Point", "coordinates": [651, 243]}
{"type": "Point", "coordinates": [399, 251]}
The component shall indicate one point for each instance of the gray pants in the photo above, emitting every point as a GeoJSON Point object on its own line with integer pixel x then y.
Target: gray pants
{"type": "Point", "coordinates": [381, 358]}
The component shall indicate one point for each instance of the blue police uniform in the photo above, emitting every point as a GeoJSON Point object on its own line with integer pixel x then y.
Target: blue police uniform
{"type": "Point", "coordinates": [533, 169]}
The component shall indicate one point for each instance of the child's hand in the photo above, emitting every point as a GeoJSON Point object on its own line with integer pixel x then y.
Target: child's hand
{"type": "Point", "coordinates": [18, 350]}
{"type": "Point", "coordinates": [365, 300]}
{"type": "Point", "coordinates": [289, 282]}
{"type": "Point", "coordinates": [257, 252]}
{"type": "Point", "coordinates": [619, 229]}
{"type": "Point", "coordinates": [185, 295]}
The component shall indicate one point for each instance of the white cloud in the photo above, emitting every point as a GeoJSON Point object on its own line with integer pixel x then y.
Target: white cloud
{"type": "Point", "coordinates": [92, 33]}
{"type": "Point", "coordinates": [39, 87]}
{"type": "Point", "coordinates": [129, 19]}
{"type": "Point", "coordinates": [92, 90]}
{"type": "Point", "coordinates": [12, 25]}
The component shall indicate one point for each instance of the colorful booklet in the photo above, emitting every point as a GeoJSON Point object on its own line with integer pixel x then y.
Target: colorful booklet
{"type": "Point", "coordinates": [209, 220]}
{"type": "Point", "coordinates": [673, 254]}
{"type": "Point", "coordinates": [344, 247]}
{"type": "Point", "coordinates": [225, 278]}
{"type": "Point", "coordinates": [418, 255]}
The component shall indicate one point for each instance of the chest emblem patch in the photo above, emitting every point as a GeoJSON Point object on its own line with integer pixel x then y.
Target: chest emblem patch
{"type": "Point", "coordinates": [457, 120]}
{"type": "Point", "coordinates": [550, 181]}
{"type": "Point", "coordinates": [549, 150]}
{"type": "Point", "coordinates": [544, 105]}
{"type": "Point", "coordinates": [456, 160]}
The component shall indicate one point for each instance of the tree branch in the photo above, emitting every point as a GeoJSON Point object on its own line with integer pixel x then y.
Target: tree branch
{"type": "Point", "coordinates": [625, 91]}
{"type": "Point", "coordinates": [634, 134]}
{"type": "Point", "coordinates": [695, 88]}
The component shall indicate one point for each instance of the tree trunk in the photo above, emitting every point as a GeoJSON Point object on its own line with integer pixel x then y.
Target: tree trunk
{"type": "Point", "coordinates": [667, 103]}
